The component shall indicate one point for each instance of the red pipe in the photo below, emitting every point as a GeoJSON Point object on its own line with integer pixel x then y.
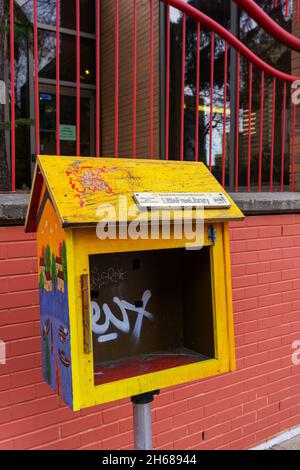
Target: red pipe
{"type": "Point", "coordinates": [249, 127]}
{"type": "Point", "coordinates": [168, 47]}
{"type": "Point", "coordinates": [225, 115]}
{"type": "Point", "coordinates": [232, 40]}
{"type": "Point", "coordinates": [134, 79]}
{"type": "Point", "coordinates": [261, 132]}
{"type": "Point", "coordinates": [237, 125]}
{"type": "Point", "coordinates": [287, 7]}
{"type": "Point", "coordinates": [12, 98]}
{"type": "Point", "coordinates": [268, 24]}
{"type": "Point", "coordinates": [283, 138]}
{"type": "Point", "coordinates": [57, 77]}
{"type": "Point", "coordinates": [117, 80]}
{"type": "Point", "coordinates": [293, 147]}
{"type": "Point", "coordinates": [212, 79]}
{"type": "Point", "coordinates": [273, 134]}
{"type": "Point", "coordinates": [98, 77]}
{"type": "Point", "coordinates": [36, 79]}
{"type": "Point", "coordinates": [182, 87]}
{"type": "Point", "coordinates": [197, 93]}
{"type": "Point", "coordinates": [77, 77]}
{"type": "Point", "coordinates": [151, 79]}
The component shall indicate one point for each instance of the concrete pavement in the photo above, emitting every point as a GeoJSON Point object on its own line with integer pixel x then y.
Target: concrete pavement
{"type": "Point", "coordinates": [291, 444]}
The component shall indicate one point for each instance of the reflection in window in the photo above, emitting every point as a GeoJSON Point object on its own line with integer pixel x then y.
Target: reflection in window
{"type": "Point", "coordinates": [264, 46]}
{"type": "Point", "coordinates": [279, 56]}
{"type": "Point", "coordinates": [47, 13]}
{"type": "Point", "coordinates": [220, 11]}
{"type": "Point", "coordinates": [68, 123]}
{"type": "Point", "coordinates": [23, 121]}
{"type": "Point", "coordinates": [47, 57]}
{"type": "Point", "coordinates": [24, 81]}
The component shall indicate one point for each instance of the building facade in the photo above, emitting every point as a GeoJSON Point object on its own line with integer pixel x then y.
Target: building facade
{"type": "Point", "coordinates": [126, 85]}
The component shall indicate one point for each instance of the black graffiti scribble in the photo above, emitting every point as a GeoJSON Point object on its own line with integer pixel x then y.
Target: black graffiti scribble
{"type": "Point", "coordinates": [105, 277]}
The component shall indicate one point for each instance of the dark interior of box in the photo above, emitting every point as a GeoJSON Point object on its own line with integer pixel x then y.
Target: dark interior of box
{"type": "Point", "coordinates": [152, 311]}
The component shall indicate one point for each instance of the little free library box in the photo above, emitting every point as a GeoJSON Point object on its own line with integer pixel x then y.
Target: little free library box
{"type": "Point", "coordinates": [125, 315]}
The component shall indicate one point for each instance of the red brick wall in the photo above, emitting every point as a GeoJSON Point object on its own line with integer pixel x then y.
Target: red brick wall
{"type": "Point", "coordinates": [236, 410]}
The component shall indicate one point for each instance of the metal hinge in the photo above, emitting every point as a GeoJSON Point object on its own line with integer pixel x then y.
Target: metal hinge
{"type": "Point", "coordinates": [86, 314]}
{"type": "Point", "coordinates": [212, 234]}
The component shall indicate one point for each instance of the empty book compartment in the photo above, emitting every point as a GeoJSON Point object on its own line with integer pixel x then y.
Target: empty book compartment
{"type": "Point", "coordinates": [151, 311]}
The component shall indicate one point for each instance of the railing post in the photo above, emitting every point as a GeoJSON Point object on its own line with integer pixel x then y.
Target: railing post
{"type": "Point", "coordinates": [233, 83]}
{"type": "Point", "coordinates": [163, 81]}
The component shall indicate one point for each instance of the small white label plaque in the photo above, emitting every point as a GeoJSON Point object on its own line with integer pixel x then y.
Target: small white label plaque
{"type": "Point", "coordinates": [161, 201]}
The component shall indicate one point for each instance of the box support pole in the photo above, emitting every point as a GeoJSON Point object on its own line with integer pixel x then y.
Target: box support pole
{"type": "Point", "coordinates": [142, 421]}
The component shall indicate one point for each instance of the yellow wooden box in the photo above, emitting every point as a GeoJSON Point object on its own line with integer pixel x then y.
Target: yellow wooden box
{"type": "Point", "coordinates": [121, 317]}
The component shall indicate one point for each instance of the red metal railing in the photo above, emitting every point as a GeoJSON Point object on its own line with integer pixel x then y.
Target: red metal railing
{"type": "Point", "coordinates": [290, 8]}
{"type": "Point", "coordinates": [268, 24]}
{"type": "Point", "coordinates": [78, 90]}
{"type": "Point", "coordinates": [12, 98]}
{"type": "Point", "coordinates": [134, 94]}
{"type": "Point", "coordinates": [231, 43]}
{"type": "Point", "coordinates": [36, 76]}
{"type": "Point", "coordinates": [98, 77]}
{"type": "Point", "coordinates": [237, 141]}
{"type": "Point", "coordinates": [57, 77]}
{"type": "Point", "coordinates": [253, 60]}
{"type": "Point", "coordinates": [168, 47]}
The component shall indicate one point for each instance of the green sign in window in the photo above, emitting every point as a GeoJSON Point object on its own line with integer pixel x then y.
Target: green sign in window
{"type": "Point", "coordinates": [68, 133]}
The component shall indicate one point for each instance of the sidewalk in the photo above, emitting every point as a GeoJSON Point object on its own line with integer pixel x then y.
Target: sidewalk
{"type": "Point", "coordinates": [290, 444]}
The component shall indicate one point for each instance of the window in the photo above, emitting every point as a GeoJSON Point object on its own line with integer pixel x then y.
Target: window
{"type": "Point", "coordinates": [214, 136]}
{"type": "Point", "coordinates": [263, 45]}
{"type": "Point", "coordinates": [47, 14]}
{"type": "Point", "coordinates": [220, 11]}
{"type": "Point", "coordinates": [24, 85]}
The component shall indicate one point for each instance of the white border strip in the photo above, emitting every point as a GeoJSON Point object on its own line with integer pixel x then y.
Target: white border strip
{"type": "Point", "coordinates": [279, 439]}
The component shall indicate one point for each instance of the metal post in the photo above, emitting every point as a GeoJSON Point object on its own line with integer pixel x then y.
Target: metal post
{"type": "Point", "coordinates": [142, 420]}
{"type": "Point", "coordinates": [162, 13]}
{"type": "Point", "coordinates": [233, 89]}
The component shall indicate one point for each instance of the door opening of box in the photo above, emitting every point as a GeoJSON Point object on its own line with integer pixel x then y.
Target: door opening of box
{"type": "Point", "coordinates": [151, 311]}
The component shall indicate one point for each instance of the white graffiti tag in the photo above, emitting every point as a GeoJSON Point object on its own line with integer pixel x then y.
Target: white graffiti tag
{"type": "Point", "coordinates": [121, 325]}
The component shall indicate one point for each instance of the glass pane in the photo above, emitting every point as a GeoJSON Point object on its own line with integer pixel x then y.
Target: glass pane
{"type": "Point", "coordinates": [280, 57]}
{"type": "Point", "coordinates": [220, 11]}
{"type": "Point", "coordinates": [47, 58]}
{"type": "Point", "coordinates": [262, 43]}
{"type": "Point", "coordinates": [68, 125]}
{"type": "Point", "coordinates": [47, 13]}
{"type": "Point", "coordinates": [22, 115]}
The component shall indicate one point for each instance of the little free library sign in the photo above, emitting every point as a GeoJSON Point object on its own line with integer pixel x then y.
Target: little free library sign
{"type": "Point", "coordinates": [162, 201]}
